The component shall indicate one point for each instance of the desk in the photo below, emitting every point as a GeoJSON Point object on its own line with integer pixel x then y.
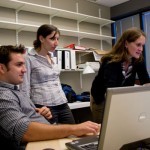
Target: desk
{"type": "Point", "coordinates": [80, 111]}
{"type": "Point", "coordinates": [55, 144]}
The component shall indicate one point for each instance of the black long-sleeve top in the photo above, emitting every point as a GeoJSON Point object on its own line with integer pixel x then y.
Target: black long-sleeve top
{"type": "Point", "coordinates": [111, 75]}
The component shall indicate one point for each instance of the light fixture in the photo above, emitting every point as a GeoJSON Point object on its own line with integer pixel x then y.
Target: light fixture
{"type": "Point", "coordinates": [88, 69]}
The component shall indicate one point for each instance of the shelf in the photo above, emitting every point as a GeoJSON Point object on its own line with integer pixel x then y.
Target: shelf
{"type": "Point", "coordinates": [19, 5]}
{"type": "Point", "coordinates": [77, 105]}
{"type": "Point", "coordinates": [25, 6]}
{"type": "Point", "coordinates": [85, 35]}
{"type": "Point", "coordinates": [18, 22]}
{"type": "Point", "coordinates": [18, 26]}
{"type": "Point", "coordinates": [71, 70]}
{"type": "Point", "coordinates": [33, 28]}
{"type": "Point", "coordinates": [76, 70]}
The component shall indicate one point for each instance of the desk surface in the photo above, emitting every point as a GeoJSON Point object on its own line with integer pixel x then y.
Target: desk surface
{"type": "Point", "coordinates": [54, 144]}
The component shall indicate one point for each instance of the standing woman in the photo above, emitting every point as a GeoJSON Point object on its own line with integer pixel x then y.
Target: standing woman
{"type": "Point", "coordinates": [119, 68]}
{"type": "Point", "coordinates": [42, 82]}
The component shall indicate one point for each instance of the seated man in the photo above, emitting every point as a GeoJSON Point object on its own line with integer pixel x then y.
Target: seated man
{"type": "Point", "coordinates": [19, 122]}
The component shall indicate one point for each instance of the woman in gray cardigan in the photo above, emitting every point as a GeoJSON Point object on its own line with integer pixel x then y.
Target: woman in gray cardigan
{"type": "Point", "coordinates": [41, 82]}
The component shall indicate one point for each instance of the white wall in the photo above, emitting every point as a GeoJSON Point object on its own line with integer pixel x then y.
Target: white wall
{"type": "Point", "coordinates": [8, 36]}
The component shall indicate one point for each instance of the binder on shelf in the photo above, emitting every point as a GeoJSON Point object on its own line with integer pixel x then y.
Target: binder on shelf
{"type": "Point", "coordinates": [65, 59]}
{"type": "Point", "coordinates": [59, 59]}
{"type": "Point", "coordinates": [72, 60]}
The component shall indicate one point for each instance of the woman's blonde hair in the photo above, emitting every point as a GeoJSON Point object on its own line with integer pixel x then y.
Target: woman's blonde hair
{"type": "Point", "coordinates": [119, 52]}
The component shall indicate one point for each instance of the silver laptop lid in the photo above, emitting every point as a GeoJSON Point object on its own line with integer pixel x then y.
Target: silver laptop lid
{"type": "Point", "coordinates": [126, 117]}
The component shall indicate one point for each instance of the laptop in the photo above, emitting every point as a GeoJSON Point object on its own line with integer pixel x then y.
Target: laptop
{"type": "Point", "coordinates": [126, 121]}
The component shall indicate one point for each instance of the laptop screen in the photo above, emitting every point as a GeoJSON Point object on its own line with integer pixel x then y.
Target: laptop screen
{"type": "Point", "coordinates": [126, 117]}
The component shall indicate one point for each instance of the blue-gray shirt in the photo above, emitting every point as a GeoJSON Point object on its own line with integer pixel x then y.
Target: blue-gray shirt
{"type": "Point", "coordinates": [16, 112]}
{"type": "Point", "coordinates": [42, 82]}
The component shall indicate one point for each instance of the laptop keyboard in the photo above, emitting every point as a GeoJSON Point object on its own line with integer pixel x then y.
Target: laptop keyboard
{"type": "Point", "coordinates": [90, 146]}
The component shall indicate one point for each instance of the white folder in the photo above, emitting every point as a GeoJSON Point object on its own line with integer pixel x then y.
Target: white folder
{"type": "Point", "coordinates": [65, 59]}
{"type": "Point", "coordinates": [72, 59]}
{"type": "Point", "coordinates": [59, 59]}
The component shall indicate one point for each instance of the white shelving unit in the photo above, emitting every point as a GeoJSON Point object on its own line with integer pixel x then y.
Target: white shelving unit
{"type": "Point", "coordinates": [33, 28]}
{"type": "Point", "coordinates": [25, 6]}
{"type": "Point", "coordinates": [20, 29]}
{"type": "Point", "coordinates": [20, 5]}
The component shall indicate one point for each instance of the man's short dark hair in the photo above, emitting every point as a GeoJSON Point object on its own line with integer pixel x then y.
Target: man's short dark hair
{"type": "Point", "coordinates": [6, 50]}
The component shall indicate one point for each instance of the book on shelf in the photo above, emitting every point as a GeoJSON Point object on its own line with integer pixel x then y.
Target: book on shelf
{"type": "Point", "coordinates": [59, 59]}
{"type": "Point", "coordinates": [76, 47]}
{"type": "Point", "coordinates": [72, 60]}
{"type": "Point", "coordinates": [65, 60]}
{"type": "Point", "coordinates": [98, 54]}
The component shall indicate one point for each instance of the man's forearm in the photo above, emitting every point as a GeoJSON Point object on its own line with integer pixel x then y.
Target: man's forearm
{"type": "Point", "coordinates": [38, 131]}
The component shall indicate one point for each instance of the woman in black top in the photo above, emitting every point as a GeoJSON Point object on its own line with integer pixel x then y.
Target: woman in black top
{"type": "Point", "coordinates": [119, 68]}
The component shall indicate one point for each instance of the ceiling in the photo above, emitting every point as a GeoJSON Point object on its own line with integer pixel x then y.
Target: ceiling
{"type": "Point", "coordinates": [109, 3]}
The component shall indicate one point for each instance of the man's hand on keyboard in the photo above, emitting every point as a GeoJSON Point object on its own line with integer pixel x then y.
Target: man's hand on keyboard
{"type": "Point", "coordinates": [87, 127]}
